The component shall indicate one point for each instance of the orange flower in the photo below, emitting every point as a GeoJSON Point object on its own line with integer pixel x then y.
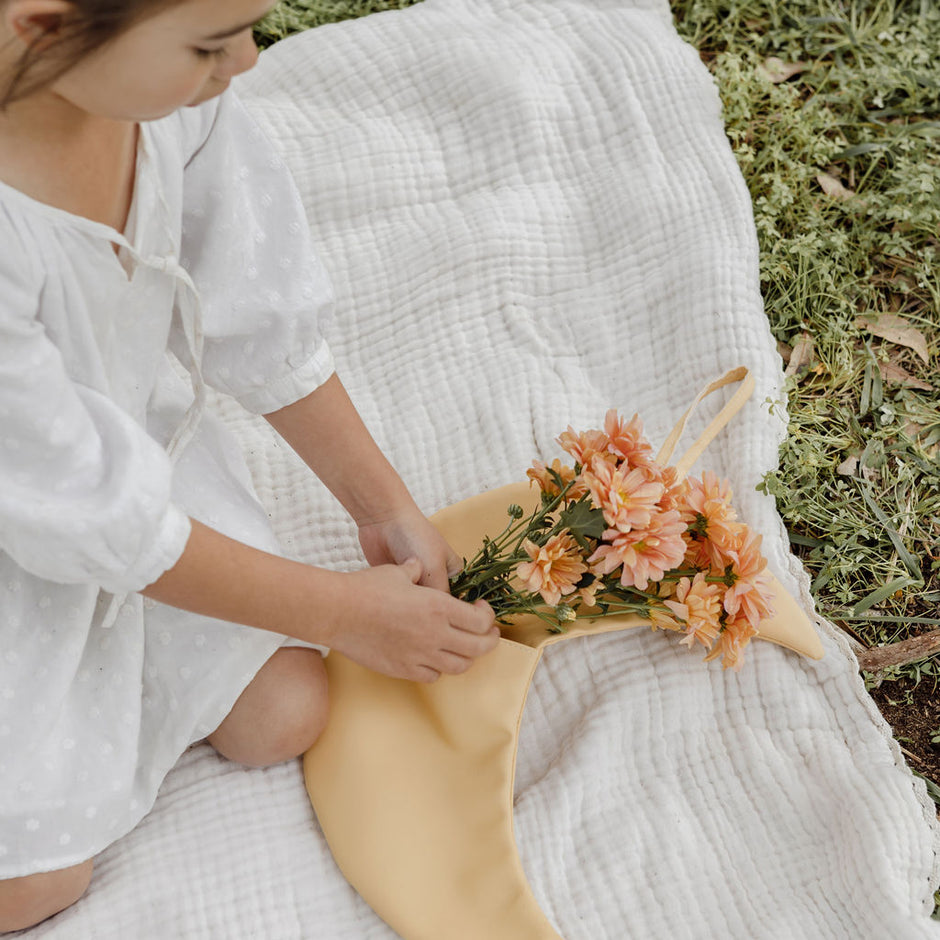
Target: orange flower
{"type": "Point", "coordinates": [731, 642]}
{"type": "Point", "coordinates": [538, 473]}
{"type": "Point", "coordinates": [626, 440]}
{"type": "Point", "coordinates": [627, 497]}
{"type": "Point", "coordinates": [713, 531]}
{"type": "Point", "coordinates": [585, 446]}
{"type": "Point", "coordinates": [674, 489]}
{"type": "Point", "coordinates": [555, 569]}
{"type": "Point", "coordinates": [750, 597]}
{"type": "Point", "coordinates": [698, 605]}
{"type": "Point", "coordinates": [646, 554]}
{"type": "Point", "coordinates": [588, 594]}
{"type": "Point", "coordinates": [665, 589]}
{"type": "Point", "coordinates": [661, 618]}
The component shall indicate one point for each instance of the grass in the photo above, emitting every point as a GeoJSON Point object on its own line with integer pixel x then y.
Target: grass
{"type": "Point", "coordinates": [832, 108]}
{"type": "Point", "coordinates": [841, 160]}
{"type": "Point", "coordinates": [292, 16]}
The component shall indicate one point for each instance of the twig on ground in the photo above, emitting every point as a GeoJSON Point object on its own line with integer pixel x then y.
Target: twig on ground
{"type": "Point", "coordinates": [900, 654]}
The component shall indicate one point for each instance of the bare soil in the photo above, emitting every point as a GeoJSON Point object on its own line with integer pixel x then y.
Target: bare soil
{"type": "Point", "coordinates": [914, 716]}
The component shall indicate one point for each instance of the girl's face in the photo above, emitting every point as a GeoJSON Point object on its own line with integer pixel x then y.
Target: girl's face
{"type": "Point", "coordinates": [183, 55]}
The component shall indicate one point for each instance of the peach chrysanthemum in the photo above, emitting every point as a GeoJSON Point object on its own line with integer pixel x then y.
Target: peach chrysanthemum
{"type": "Point", "coordinates": [674, 490]}
{"type": "Point", "coordinates": [555, 568]}
{"type": "Point", "coordinates": [730, 644]}
{"type": "Point", "coordinates": [588, 594]}
{"type": "Point", "coordinates": [627, 497]}
{"type": "Point", "coordinates": [749, 597]}
{"type": "Point", "coordinates": [713, 531]}
{"type": "Point", "coordinates": [661, 618]}
{"type": "Point", "coordinates": [645, 554]}
{"type": "Point", "coordinates": [539, 473]}
{"type": "Point", "coordinates": [665, 589]}
{"type": "Point", "coordinates": [586, 445]}
{"type": "Point", "coordinates": [698, 605]}
{"type": "Point", "coordinates": [627, 441]}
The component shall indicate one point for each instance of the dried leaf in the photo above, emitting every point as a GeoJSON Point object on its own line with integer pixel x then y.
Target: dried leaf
{"type": "Point", "coordinates": [779, 71]}
{"type": "Point", "coordinates": [896, 329]}
{"type": "Point", "coordinates": [801, 355]}
{"type": "Point", "coordinates": [893, 374]}
{"type": "Point", "coordinates": [848, 467]}
{"type": "Point", "coordinates": [833, 187]}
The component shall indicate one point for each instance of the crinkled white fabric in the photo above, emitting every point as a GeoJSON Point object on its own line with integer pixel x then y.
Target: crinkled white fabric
{"type": "Point", "coordinates": [531, 213]}
{"type": "Point", "coordinates": [101, 692]}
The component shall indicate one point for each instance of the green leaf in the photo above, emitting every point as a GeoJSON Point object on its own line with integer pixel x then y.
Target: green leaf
{"type": "Point", "coordinates": [583, 521]}
{"type": "Point", "coordinates": [556, 477]}
{"type": "Point", "coordinates": [858, 150]}
{"type": "Point", "coordinates": [910, 562]}
{"type": "Point", "coordinates": [796, 539]}
{"type": "Point", "coordinates": [865, 403]}
{"type": "Point", "coordinates": [885, 591]}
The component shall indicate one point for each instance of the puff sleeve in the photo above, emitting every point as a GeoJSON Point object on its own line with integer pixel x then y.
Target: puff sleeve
{"type": "Point", "coordinates": [84, 491]}
{"type": "Point", "coordinates": [246, 244]}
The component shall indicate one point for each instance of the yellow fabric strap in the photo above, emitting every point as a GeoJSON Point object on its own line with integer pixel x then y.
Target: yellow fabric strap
{"type": "Point", "coordinates": [734, 405]}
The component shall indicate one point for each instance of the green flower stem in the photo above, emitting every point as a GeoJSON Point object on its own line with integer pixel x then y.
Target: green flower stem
{"type": "Point", "coordinates": [512, 529]}
{"type": "Point", "coordinates": [487, 564]}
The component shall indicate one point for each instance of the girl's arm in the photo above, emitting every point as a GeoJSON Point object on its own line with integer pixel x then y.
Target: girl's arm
{"type": "Point", "coordinates": [326, 431]}
{"type": "Point", "coordinates": [380, 616]}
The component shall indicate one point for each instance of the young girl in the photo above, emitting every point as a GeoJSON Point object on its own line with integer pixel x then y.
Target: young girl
{"type": "Point", "coordinates": [143, 605]}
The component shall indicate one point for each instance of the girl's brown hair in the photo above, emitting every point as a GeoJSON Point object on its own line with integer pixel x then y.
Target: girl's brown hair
{"type": "Point", "coordinates": [90, 25]}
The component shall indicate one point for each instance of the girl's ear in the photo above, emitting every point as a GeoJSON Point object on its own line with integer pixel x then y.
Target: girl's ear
{"type": "Point", "coordinates": [37, 23]}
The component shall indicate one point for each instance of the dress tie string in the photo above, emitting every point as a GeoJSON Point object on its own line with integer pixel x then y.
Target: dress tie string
{"type": "Point", "coordinates": [189, 307]}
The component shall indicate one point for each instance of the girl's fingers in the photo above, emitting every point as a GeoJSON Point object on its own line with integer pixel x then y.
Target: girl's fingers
{"type": "Point", "coordinates": [472, 645]}
{"type": "Point", "coordinates": [470, 618]}
{"type": "Point", "coordinates": [425, 674]}
{"type": "Point", "coordinates": [452, 663]}
{"type": "Point", "coordinates": [437, 578]}
{"type": "Point", "coordinates": [477, 617]}
{"type": "Point", "coordinates": [454, 563]}
{"type": "Point", "coordinates": [414, 569]}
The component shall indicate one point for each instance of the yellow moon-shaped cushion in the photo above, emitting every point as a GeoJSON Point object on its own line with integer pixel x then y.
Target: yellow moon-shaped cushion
{"type": "Point", "coordinates": [413, 784]}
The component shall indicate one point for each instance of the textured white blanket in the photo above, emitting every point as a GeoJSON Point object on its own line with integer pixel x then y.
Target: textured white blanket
{"type": "Point", "coordinates": [531, 214]}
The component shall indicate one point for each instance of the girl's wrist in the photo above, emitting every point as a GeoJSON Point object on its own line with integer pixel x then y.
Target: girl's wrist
{"type": "Point", "coordinates": [316, 615]}
{"type": "Point", "coordinates": [381, 511]}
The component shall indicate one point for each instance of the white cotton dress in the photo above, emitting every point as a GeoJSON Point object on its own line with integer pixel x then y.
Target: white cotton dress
{"type": "Point", "coordinates": [104, 456]}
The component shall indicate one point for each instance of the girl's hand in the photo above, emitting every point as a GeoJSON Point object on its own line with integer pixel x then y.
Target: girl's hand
{"type": "Point", "coordinates": [394, 625]}
{"type": "Point", "coordinates": [409, 535]}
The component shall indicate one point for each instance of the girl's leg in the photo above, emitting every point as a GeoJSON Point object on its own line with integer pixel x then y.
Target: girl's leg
{"type": "Point", "coordinates": [280, 713]}
{"type": "Point", "coordinates": [26, 901]}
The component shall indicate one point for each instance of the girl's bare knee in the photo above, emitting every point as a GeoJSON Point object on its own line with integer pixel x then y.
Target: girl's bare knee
{"type": "Point", "coordinates": [26, 901]}
{"type": "Point", "coordinates": [280, 713]}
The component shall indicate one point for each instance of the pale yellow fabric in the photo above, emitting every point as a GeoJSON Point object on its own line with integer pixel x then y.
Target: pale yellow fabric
{"type": "Point", "coordinates": [413, 784]}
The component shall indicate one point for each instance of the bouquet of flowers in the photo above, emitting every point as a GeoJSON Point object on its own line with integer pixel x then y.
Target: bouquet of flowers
{"type": "Point", "coordinates": [616, 533]}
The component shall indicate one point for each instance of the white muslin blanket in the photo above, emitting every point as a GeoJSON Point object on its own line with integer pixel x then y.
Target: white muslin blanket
{"type": "Point", "coordinates": [531, 214]}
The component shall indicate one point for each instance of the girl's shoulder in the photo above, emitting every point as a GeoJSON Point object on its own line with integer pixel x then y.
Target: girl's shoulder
{"type": "Point", "coordinates": [190, 128]}
{"type": "Point", "coordinates": [186, 130]}
{"type": "Point", "coordinates": [22, 270]}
